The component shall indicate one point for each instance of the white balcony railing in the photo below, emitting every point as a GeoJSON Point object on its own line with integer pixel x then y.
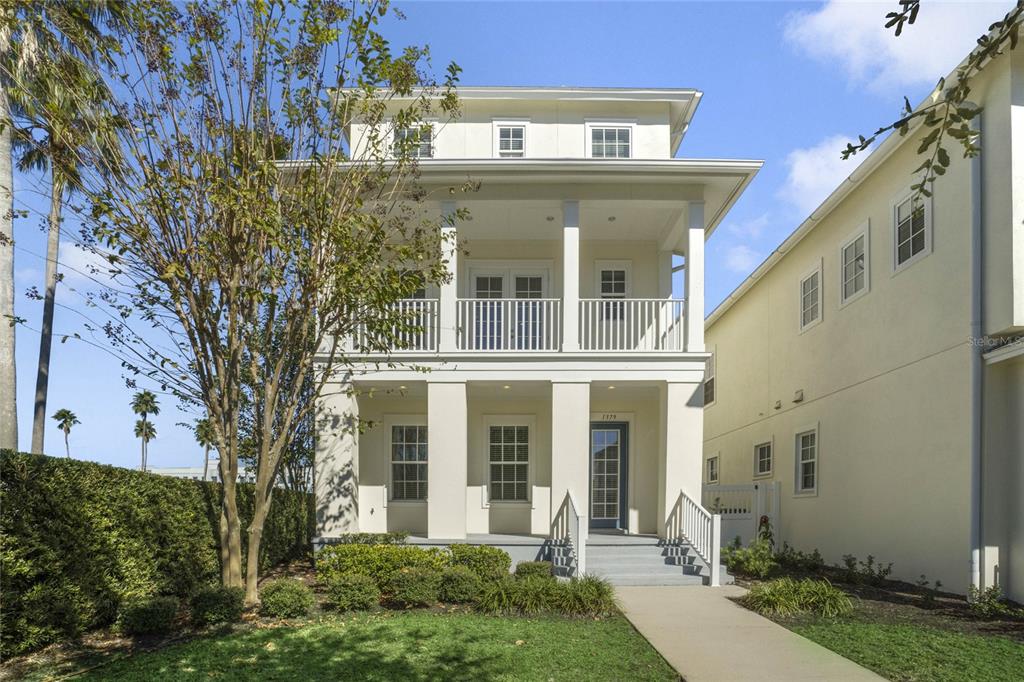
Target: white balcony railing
{"type": "Point", "coordinates": [413, 328]}
{"type": "Point", "coordinates": [510, 324]}
{"type": "Point", "coordinates": [632, 324]}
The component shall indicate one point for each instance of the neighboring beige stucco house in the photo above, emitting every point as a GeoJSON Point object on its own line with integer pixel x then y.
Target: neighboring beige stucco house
{"type": "Point", "coordinates": [566, 375]}
{"type": "Point", "coordinates": [868, 365]}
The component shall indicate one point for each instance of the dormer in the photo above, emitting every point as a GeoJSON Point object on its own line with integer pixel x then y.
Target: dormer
{"type": "Point", "coordinates": [555, 123]}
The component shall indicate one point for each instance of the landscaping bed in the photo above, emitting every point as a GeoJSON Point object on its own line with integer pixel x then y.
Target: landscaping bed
{"type": "Point", "coordinates": [901, 631]}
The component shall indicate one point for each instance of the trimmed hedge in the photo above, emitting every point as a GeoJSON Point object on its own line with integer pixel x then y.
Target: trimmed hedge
{"type": "Point", "coordinates": [459, 585]}
{"type": "Point", "coordinates": [490, 563]}
{"type": "Point", "coordinates": [214, 605]}
{"type": "Point", "coordinates": [352, 592]}
{"type": "Point", "coordinates": [394, 538]}
{"type": "Point", "coordinates": [380, 562]}
{"type": "Point", "coordinates": [78, 539]}
{"type": "Point", "coordinates": [286, 598]}
{"type": "Point", "coordinates": [535, 569]}
{"type": "Point", "coordinates": [147, 616]}
{"type": "Point", "coordinates": [412, 587]}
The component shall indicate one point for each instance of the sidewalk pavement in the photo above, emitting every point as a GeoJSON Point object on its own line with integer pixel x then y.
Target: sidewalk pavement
{"type": "Point", "coordinates": [708, 638]}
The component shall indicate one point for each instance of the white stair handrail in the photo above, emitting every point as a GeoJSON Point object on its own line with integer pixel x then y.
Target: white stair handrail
{"type": "Point", "coordinates": [579, 544]}
{"type": "Point", "coordinates": [702, 530]}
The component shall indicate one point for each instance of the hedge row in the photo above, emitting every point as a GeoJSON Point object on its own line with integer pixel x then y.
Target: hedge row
{"type": "Point", "coordinates": [77, 539]}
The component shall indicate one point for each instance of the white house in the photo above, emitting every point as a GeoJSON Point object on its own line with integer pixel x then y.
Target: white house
{"type": "Point", "coordinates": [565, 392]}
{"type": "Point", "coordinates": [869, 366]}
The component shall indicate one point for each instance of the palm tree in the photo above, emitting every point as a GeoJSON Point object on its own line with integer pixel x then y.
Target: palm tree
{"type": "Point", "coordinates": [65, 419]}
{"type": "Point", "coordinates": [64, 128]}
{"type": "Point", "coordinates": [147, 432]}
{"type": "Point", "coordinates": [144, 403]}
{"type": "Point", "coordinates": [32, 34]}
{"type": "Point", "coordinates": [207, 439]}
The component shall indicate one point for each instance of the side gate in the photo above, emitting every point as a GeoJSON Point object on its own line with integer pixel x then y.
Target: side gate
{"type": "Point", "coordinates": [742, 506]}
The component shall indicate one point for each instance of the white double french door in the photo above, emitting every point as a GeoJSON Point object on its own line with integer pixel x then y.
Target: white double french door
{"type": "Point", "coordinates": [508, 312]}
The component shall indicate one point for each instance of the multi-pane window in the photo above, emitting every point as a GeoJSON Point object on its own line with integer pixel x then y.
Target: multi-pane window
{"type": "Point", "coordinates": [610, 143]}
{"type": "Point", "coordinates": [854, 257]}
{"type": "Point", "coordinates": [511, 140]}
{"type": "Point", "coordinates": [810, 299]}
{"type": "Point", "coordinates": [911, 229]}
{"type": "Point", "coordinates": [509, 459]}
{"type": "Point", "coordinates": [488, 286]}
{"type": "Point", "coordinates": [417, 142]}
{"type": "Point", "coordinates": [612, 285]}
{"type": "Point", "coordinates": [763, 459]}
{"type": "Point", "coordinates": [806, 461]}
{"type": "Point", "coordinates": [409, 462]}
{"type": "Point", "coordinates": [713, 469]}
{"type": "Point", "coordinates": [709, 380]}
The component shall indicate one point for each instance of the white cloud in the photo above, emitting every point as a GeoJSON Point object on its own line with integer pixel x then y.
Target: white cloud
{"type": "Point", "coordinates": [852, 34]}
{"type": "Point", "coordinates": [750, 229]}
{"type": "Point", "coordinates": [815, 171]}
{"type": "Point", "coordinates": [741, 258]}
{"type": "Point", "coordinates": [83, 267]}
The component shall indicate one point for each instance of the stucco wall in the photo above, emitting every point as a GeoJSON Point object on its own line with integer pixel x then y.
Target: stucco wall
{"type": "Point", "coordinates": [885, 378]}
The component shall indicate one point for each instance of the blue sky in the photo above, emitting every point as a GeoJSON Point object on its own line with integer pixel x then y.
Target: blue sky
{"type": "Point", "coordinates": [786, 82]}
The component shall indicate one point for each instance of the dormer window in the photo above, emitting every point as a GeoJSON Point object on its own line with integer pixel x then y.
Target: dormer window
{"type": "Point", "coordinates": [416, 142]}
{"type": "Point", "coordinates": [510, 140]}
{"type": "Point", "coordinates": [610, 142]}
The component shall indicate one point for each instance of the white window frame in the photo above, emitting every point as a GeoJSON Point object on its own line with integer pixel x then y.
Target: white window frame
{"type": "Point", "coordinates": [798, 489]}
{"type": "Point", "coordinates": [489, 420]}
{"type": "Point", "coordinates": [389, 421]}
{"type": "Point", "coordinates": [717, 459]}
{"type": "Point", "coordinates": [602, 265]}
{"type": "Point", "coordinates": [589, 125]}
{"type": "Point", "coordinates": [817, 270]}
{"type": "Point", "coordinates": [863, 231]}
{"type": "Point", "coordinates": [507, 270]}
{"type": "Point", "coordinates": [710, 372]}
{"type": "Point", "coordinates": [431, 123]}
{"type": "Point", "coordinates": [926, 203]}
{"type": "Point", "coordinates": [770, 442]}
{"type": "Point", "coordinates": [497, 124]}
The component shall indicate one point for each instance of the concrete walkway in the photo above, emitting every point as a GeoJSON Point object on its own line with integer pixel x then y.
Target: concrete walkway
{"type": "Point", "coordinates": [707, 637]}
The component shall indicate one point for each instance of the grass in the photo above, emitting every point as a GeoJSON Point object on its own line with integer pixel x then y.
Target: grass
{"type": "Point", "coordinates": [908, 634]}
{"type": "Point", "coordinates": [414, 645]}
{"type": "Point", "coordinates": [920, 652]}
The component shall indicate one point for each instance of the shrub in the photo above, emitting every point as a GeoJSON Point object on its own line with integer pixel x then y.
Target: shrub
{"type": "Point", "coordinates": [540, 569]}
{"type": "Point", "coordinates": [786, 597]}
{"type": "Point", "coordinates": [396, 538]}
{"type": "Point", "coordinates": [987, 602]}
{"type": "Point", "coordinates": [756, 560]}
{"type": "Point", "coordinates": [490, 563]}
{"type": "Point", "coordinates": [80, 538]}
{"type": "Point", "coordinates": [794, 558]}
{"type": "Point", "coordinates": [212, 605]}
{"type": "Point", "coordinates": [415, 587]}
{"type": "Point", "coordinates": [286, 598]}
{"type": "Point", "coordinates": [380, 562]}
{"type": "Point", "coordinates": [587, 596]}
{"type": "Point", "coordinates": [147, 615]}
{"type": "Point", "coordinates": [863, 572]}
{"type": "Point", "coordinates": [459, 585]}
{"type": "Point", "coordinates": [352, 592]}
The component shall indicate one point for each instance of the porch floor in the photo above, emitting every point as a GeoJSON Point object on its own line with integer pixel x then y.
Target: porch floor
{"type": "Point", "coordinates": [498, 539]}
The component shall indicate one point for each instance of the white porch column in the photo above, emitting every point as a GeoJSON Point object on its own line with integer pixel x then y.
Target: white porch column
{"type": "Point", "coordinates": [695, 279]}
{"type": "Point", "coordinates": [681, 439]}
{"type": "Point", "coordinates": [570, 276]}
{"type": "Point", "coordinates": [448, 304]}
{"type": "Point", "coordinates": [336, 462]}
{"type": "Point", "coordinates": [446, 461]}
{"type": "Point", "coordinates": [664, 274]}
{"type": "Point", "coordinates": [570, 446]}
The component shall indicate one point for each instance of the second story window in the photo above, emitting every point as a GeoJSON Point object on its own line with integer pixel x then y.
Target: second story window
{"type": "Point", "coordinates": [613, 283]}
{"type": "Point", "coordinates": [417, 142]}
{"type": "Point", "coordinates": [912, 231]}
{"type": "Point", "coordinates": [610, 143]}
{"type": "Point", "coordinates": [810, 300]}
{"type": "Point", "coordinates": [511, 141]}
{"type": "Point", "coordinates": [709, 380]}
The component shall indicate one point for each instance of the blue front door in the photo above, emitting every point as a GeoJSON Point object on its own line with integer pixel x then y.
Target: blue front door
{"type": "Point", "coordinates": [609, 458]}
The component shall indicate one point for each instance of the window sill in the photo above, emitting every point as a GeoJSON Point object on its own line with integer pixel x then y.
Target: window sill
{"type": "Point", "coordinates": [510, 503]}
{"type": "Point", "coordinates": [763, 476]}
{"type": "Point", "coordinates": [806, 493]}
{"type": "Point", "coordinates": [406, 503]}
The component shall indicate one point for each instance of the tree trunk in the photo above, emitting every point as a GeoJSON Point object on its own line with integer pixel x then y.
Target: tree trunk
{"type": "Point", "coordinates": [46, 336]}
{"type": "Point", "coordinates": [67, 448]}
{"type": "Point", "coordinates": [8, 375]}
{"type": "Point", "coordinates": [230, 528]}
{"type": "Point", "coordinates": [261, 505]}
{"type": "Point", "coordinates": [206, 462]}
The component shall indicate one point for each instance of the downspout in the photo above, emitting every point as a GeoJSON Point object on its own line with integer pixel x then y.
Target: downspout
{"type": "Point", "coordinates": [977, 366]}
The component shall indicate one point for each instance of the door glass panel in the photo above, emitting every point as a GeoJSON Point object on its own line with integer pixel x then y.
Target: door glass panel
{"type": "Point", "coordinates": [604, 479]}
{"type": "Point", "coordinates": [488, 326]}
{"type": "Point", "coordinates": [529, 315]}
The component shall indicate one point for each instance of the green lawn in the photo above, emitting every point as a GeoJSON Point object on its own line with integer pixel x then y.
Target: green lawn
{"type": "Point", "coordinates": [408, 646]}
{"type": "Point", "coordinates": [920, 652]}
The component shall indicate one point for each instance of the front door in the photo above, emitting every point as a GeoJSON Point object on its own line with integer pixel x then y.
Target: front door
{"type": "Point", "coordinates": [609, 458]}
